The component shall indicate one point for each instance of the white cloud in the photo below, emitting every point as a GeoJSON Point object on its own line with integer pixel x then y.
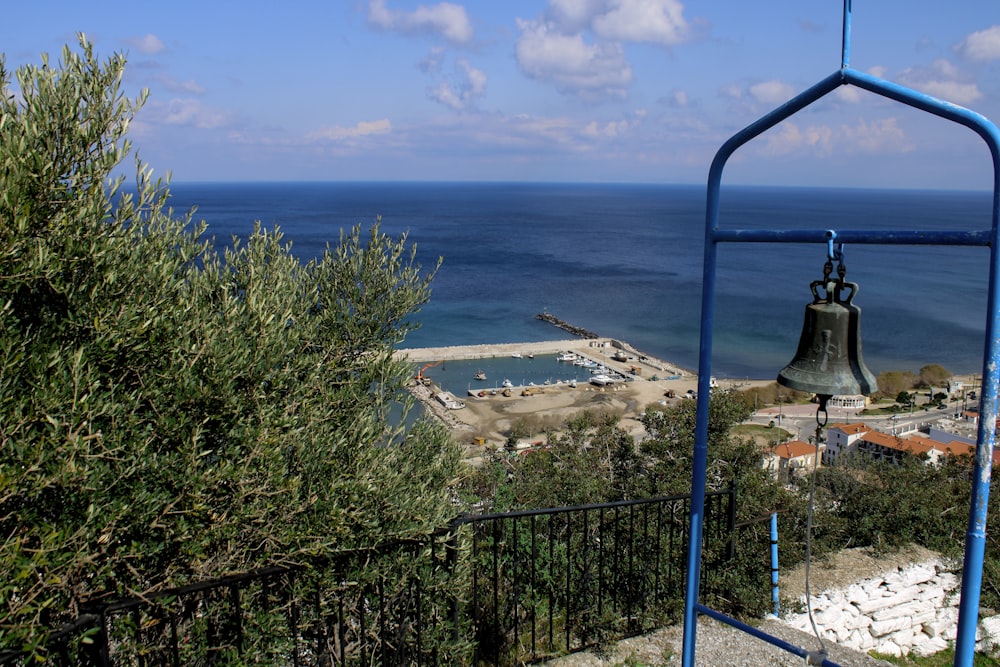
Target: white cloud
{"type": "Point", "coordinates": [732, 91]}
{"type": "Point", "coordinates": [982, 45]}
{"type": "Point", "coordinates": [186, 87]}
{"type": "Point", "coordinates": [148, 44]}
{"type": "Point", "coordinates": [789, 138]}
{"type": "Point", "coordinates": [655, 21]}
{"type": "Point", "coordinates": [445, 18]}
{"type": "Point", "coordinates": [362, 129]}
{"type": "Point", "coordinates": [189, 113]}
{"type": "Point", "coordinates": [943, 80]}
{"type": "Point", "coordinates": [572, 65]}
{"type": "Point", "coordinates": [471, 86]}
{"type": "Point", "coordinates": [676, 99]}
{"type": "Point", "coordinates": [878, 137]}
{"type": "Point", "coordinates": [771, 92]}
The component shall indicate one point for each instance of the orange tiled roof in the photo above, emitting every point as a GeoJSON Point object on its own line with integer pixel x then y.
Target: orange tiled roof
{"type": "Point", "coordinates": [793, 449]}
{"type": "Point", "coordinates": [851, 429]}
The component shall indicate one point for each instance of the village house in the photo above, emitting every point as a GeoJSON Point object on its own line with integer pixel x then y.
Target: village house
{"type": "Point", "coordinates": [786, 459]}
{"type": "Point", "coordinates": [847, 439]}
{"type": "Point", "coordinates": [841, 440]}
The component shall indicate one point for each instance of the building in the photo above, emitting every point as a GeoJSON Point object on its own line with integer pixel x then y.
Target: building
{"type": "Point", "coordinates": [841, 440]}
{"type": "Point", "coordinates": [848, 439]}
{"type": "Point", "coordinates": [789, 459]}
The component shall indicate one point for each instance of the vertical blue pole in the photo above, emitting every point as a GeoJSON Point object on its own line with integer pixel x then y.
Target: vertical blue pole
{"type": "Point", "coordinates": [845, 45]}
{"type": "Point", "coordinates": [975, 536]}
{"type": "Point", "coordinates": [774, 564]}
{"type": "Point", "coordinates": [699, 465]}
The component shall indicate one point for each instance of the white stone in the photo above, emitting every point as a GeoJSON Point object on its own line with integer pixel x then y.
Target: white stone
{"type": "Point", "coordinates": [907, 609]}
{"type": "Point", "coordinates": [925, 616]}
{"type": "Point", "coordinates": [861, 640]}
{"type": "Point", "coordinates": [989, 630]}
{"type": "Point", "coordinates": [918, 574]}
{"type": "Point", "coordinates": [899, 597]}
{"type": "Point", "coordinates": [889, 648]}
{"type": "Point", "coordinates": [831, 617]}
{"type": "Point", "coordinates": [883, 628]}
{"type": "Point", "coordinates": [929, 646]}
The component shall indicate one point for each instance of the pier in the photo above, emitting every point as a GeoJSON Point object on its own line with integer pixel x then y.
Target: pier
{"type": "Point", "coordinates": [566, 326]}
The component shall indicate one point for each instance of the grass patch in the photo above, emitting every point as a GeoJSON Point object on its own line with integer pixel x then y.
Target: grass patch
{"type": "Point", "coordinates": [769, 433]}
{"type": "Point", "coordinates": [944, 658]}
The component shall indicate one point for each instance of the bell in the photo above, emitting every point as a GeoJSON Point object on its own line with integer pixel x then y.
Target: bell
{"type": "Point", "coordinates": [828, 361]}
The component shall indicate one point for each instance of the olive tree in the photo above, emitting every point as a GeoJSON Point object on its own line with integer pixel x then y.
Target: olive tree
{"type": "Point", "coordinates": [171, 412]}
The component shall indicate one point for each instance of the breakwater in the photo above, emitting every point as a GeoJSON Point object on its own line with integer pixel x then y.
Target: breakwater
{"type": "Point", "coordinates": [566, 326]}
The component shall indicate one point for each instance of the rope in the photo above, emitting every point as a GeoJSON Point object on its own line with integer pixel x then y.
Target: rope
{"type": "Point", "coordinates": [814, 657]}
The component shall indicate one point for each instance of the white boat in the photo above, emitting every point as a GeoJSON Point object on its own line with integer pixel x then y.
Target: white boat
{"type": "Point", "coordinates": [601, 380]}
{"type": "Point", "coordinates": [480, 375]}
{"type": "Point", "coordinates": [507, 383]}
{"type": "Point", "coordinates": [566, 356]}
{"type": "Point", "coordinates": [516, 355]}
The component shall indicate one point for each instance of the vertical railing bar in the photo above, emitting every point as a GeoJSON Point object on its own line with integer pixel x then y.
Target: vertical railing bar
{"type": "Point", "coordinates": [630, 599]}
{"type": "Point", "coordinates": [600, 562]}
{"type": "Point", "coordinates": [585, 563]}
{"type": "Point", "coordinates": [551, 585]}
{"type": "Point", "coordinates": [137, 619]}
{"type": "Point", "coordinates": [534, 589]}
{"type": "Point", "coordinates": [496, 583]}
{"type": "Point", "coordinates": [174, 641]}
{"type": "Point", "coordinates": [515, 579]}
{"type": "Point", "coordinates": [418, 621]}
{"type": "Point", "coordinates": [656, 552]}
{"type": "Point", "coordinates": [475, 589]}
{"type": "Point", "coordinates": [341, 629]}
{"type": "Point", "coordinates": [237, 612]}
{"type": "Point", "coordinates": [569, 573]}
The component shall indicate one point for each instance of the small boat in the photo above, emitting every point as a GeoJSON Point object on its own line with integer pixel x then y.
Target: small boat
{"type": "Point", "coordinates": [619, 356]}
{"type": "Point", "coordinates": [566, 356]}
{"type": "Point", "coordinates": [602, 380]}
{"type": "Point", "coordinates": [515, 355]}
{"type": "Point", "coordinates": [480, 375]}
{"type": "Point", "coordinates": [507, 383]}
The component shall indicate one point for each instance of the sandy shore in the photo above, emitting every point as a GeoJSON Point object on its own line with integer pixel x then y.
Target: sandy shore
{"type": "Point", "coordinates": [486, 422]}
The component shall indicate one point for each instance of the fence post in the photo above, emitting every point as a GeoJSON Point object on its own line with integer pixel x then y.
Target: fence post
{"type": "Point", "coordinates": [774, 563]}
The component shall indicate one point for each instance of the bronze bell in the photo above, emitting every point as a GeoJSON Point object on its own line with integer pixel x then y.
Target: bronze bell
{"type": "Point", "coordinates": [828, 361]}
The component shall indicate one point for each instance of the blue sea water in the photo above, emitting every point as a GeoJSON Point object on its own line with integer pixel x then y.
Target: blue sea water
{"type": "Point", "coordinates": [626, 261]}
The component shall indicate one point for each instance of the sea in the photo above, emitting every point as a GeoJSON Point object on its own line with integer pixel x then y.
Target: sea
{"type": "Point", "coordinates": [626, 261]}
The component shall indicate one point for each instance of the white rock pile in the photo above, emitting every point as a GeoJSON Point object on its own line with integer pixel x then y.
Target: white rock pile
{"type": "Point", "coordinates": [911, 610]}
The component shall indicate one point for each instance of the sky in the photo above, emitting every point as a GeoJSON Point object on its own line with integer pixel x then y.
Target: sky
{"type": "Point", "coordinates": [641, 91]}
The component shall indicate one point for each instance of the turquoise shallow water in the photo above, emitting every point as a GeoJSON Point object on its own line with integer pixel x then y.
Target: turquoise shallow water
{"type": "Point", "coordinates": [626, 261]}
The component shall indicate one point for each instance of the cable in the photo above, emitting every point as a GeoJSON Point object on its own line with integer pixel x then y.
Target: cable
{"type": "Point", "coordinates": [814, 657]}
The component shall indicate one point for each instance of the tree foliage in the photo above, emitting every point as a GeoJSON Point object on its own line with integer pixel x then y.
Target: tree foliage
{"type": "Point", "coordinates": [934, 375]}
{"type": "Point", "coordinates": [170, 412]}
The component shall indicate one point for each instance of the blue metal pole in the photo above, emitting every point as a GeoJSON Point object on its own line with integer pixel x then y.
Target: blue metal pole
{"type": "Point", "coordinates": [774, 564]}
{"type": "Point", "coordinates": [699, 464]}
{"type": "Point", "coordinates": [975, 536]}
{"type": "Point", "coordinates": [976, 532]}
{"type": "Point", "coordinates": [845, 45]}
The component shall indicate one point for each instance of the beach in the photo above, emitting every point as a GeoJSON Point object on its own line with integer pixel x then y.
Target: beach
{"type": "Point", "coordinates": [488, 417]}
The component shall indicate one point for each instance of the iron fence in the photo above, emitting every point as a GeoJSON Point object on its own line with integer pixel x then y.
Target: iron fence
{"type": "Point", "coordinates": [495, 589]}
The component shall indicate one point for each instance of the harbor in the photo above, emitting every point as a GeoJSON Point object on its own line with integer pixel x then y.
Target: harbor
{"type": "Point", "coordinates": [482, 392]}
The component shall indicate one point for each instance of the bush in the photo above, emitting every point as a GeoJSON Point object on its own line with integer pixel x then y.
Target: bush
{"type": "Point", "coordinates": [171, 414]}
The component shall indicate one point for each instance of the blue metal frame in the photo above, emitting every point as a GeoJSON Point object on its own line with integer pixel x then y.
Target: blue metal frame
{"type": "Point", "coordinates": [975, 545]}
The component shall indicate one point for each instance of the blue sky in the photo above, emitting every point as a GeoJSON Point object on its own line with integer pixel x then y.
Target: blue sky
{"type": "Point", "coordinates": [536, 90]}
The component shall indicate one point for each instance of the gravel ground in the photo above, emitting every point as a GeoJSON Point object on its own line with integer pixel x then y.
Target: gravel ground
{"type": "Point", "coordinates": [718, 645]}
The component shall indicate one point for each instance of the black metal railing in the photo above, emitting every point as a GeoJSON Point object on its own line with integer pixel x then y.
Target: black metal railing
{"type": "Point", "coordinates": [489, 589]}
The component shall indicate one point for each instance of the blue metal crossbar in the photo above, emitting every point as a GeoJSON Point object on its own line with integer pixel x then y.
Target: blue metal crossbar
{"type": "Point", "coordinates": [975, 545]}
